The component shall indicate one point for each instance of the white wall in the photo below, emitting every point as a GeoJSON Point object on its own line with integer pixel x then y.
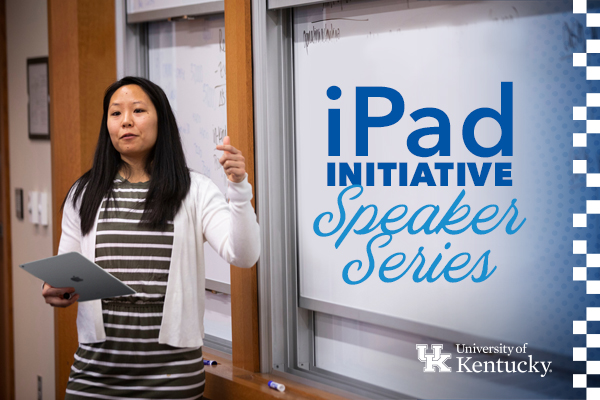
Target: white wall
{"type": "Point", "coordinates": [30, 169]}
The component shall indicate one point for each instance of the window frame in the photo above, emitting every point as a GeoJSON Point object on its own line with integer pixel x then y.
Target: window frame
{"type": "Point", "coordinates": [287, 329]}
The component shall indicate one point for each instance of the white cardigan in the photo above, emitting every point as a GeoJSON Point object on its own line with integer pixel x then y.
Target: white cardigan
{"type": "Point", "coordinates": [231, 229]}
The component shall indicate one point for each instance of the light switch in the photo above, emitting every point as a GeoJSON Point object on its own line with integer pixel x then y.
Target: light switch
{"type": "Point", "coordinates": [43, 208]}
{"type": "Point", "coordinates": [32, 207]}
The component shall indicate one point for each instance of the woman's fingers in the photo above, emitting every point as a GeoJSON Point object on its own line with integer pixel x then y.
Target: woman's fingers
{"type": "Point", "coordinates": [229, 148]}
{"type": "Point", "coordinates": [52, 291]}
{"type": "Point", "coordinates": [230, 156]}
{"type": "Point", "coordinates": [56, 292]}
{"type": "Point", "coordinates": [56, 296]}
{"type": "Point", "coordinates": [238, 173]}
{"type": "Point", "coordinates": [60, 302]}
{"type": "Point", "coordinates": [233, 163]}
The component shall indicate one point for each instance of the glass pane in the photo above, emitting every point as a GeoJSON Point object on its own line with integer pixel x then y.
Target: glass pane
{"type": "Point", "coordinates": [187, 59]}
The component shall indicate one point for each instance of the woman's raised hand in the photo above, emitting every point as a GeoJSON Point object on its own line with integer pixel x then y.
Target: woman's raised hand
{"type": "Point", "coordinates": [55, 296]}
{"type": "Point", "coordinates": [233, 161]}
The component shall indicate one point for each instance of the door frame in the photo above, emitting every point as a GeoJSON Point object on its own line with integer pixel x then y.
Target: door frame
{"type": "Point", "coordinates": [7, 363]}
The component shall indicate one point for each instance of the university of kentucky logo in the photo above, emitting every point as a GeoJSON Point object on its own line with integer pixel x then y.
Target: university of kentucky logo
{"type": "Point", "coordinates": [434, 359]}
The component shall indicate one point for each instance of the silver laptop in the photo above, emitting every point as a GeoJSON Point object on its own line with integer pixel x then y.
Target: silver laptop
{"type": "Point", "coordinates": [90, 281]}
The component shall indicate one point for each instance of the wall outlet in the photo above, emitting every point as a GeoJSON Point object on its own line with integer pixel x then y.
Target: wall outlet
{"type": "Point", "coordinates": [39, 387]}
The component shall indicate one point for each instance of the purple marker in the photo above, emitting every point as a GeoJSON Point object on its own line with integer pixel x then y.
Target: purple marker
{"type": "Point", "coordinates": [210, 362]}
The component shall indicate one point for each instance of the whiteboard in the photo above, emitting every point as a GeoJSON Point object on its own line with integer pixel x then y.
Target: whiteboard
{"type": "Point", "coordinates": [187, 60]}
{"type": "Point", "coordinates": [452, 57]}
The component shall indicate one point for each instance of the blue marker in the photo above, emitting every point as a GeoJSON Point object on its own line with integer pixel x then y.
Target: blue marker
{"type": "Point", "coordinates": [276, 386]}
{"type": "Point", "coordinates": [210, 362]}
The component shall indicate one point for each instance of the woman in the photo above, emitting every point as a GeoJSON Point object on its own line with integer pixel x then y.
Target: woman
{"type": "Point", "coordinates": [143, 216]}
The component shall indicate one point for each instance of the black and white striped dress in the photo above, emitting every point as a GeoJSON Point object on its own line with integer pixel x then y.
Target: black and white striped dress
{"type": "Point", "coordinates": [131, 364]}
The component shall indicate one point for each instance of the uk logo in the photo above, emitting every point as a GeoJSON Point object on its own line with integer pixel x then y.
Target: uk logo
{"type": "Point", "coordinates": [433, 359]}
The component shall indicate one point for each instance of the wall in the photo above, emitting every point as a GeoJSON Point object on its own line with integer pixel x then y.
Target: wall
{"type": "Point", "coordinates": [27, 37]}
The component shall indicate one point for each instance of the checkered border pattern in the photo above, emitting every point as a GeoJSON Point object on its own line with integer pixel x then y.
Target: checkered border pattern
{"type": "Point", "coordinates": [592, 207]}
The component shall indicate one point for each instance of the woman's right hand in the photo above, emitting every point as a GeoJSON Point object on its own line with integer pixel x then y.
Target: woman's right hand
{"type": "Point", "coordinates": [54, 296]}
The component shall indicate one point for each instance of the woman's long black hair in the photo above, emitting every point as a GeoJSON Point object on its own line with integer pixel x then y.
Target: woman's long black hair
{"type": "Point", "coordinates": [169, 174]}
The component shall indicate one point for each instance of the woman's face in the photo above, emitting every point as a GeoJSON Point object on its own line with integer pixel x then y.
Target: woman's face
{"type": "Point", "coordinates": [132, 123]}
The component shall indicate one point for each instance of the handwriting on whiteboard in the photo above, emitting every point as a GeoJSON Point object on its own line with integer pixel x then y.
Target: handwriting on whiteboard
{"type": "Point", "coordinates": [221, 41]}
{"type": "Point", "coordinates": [321, 35]}
{"type": "Point", "coordinates": [336, 4]}
{"type": "Point", "coordinates": [218, 134]}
